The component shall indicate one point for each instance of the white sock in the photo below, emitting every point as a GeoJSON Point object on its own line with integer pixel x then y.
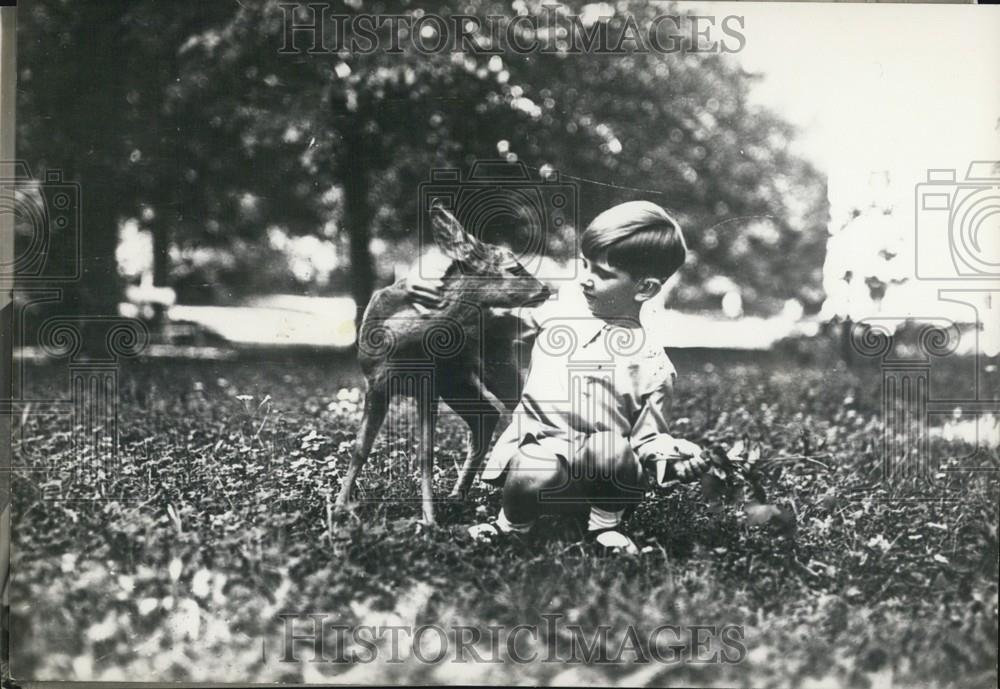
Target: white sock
{"type": "Point", "coordinates": [604, 519]}
{"type": "Point", "coordinates": [507, 525]}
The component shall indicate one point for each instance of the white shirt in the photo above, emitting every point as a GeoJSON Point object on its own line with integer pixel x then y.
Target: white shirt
{"type": "Point", "coordinates": [589, 376]}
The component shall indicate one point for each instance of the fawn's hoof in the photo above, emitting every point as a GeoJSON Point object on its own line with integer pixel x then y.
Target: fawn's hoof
{"type": "Point", "coordinates": [344, 510]}
{"type": "Point", "coordinates": [457, 495]}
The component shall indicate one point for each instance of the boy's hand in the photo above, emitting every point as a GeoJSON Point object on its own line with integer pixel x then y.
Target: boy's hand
{"type": "Point", "coordinates": [682, 460]}
{"type": "Point", "coordinates": [426, 279]}
{"type": "Point", "coordinates": [693, 468]}
{"type": "Point", "coordinates": [425, 293]}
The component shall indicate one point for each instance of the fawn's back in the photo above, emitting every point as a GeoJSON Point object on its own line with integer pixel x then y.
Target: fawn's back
{"type": "Point", "coordinates": [473, 332]}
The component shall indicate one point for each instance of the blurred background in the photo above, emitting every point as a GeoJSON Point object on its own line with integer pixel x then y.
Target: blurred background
{"type": "Point", "coordinates": [236, 191]}
{"type": "Point", "coordinates": [184, 164]}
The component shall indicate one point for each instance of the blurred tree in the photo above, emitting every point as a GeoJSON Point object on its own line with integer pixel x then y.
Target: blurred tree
{"type": "Point", "coordinates": [93, 83]}
{"type": "Point", "coordinates": [343, 128]}
{"type": "Point", "coordinates": [70, 104]}
{"type": "Point", "coordinates": [679, 129]}
{"type": "Point", "coordinates": [674, 128]}
{"type": "Point", "coordinates": [220, 126]}
{"type": "Point", "coordinates": [868, 255]}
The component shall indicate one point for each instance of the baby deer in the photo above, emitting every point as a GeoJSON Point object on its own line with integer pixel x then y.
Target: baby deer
{"type": "Point", "coordinates": [465, 353]}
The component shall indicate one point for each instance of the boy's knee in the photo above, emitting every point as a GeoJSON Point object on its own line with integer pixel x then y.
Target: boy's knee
{"type": "Point", "coordinates": [608, 454]}
{"type": "Point", "coordinates": [532, 486]}
{"type": "Point", "coordinates": [610, 444]}
{"type": "Point", "coordinates": [612, 467]}
{"type": "Point", "coordinates": [528, 476]}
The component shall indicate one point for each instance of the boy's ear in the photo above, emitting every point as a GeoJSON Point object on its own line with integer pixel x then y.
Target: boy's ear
{"type": "Point", "coordinates": [647, 288]}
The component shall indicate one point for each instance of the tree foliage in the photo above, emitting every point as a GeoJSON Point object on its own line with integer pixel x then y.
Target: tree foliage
{"type": "Point", "coordinates": [217, 128]}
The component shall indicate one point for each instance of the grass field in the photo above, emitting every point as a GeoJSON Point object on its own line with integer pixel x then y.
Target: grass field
{"type": "Point", "coordinates": [232, 465]}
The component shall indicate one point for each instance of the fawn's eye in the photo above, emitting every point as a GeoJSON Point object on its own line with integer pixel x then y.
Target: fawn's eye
{"type": "Point", "coordinates": [518, 269]}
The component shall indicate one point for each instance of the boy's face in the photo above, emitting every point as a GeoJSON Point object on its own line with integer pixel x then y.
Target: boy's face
{"type": "Point", "coordinates": [610, 292]}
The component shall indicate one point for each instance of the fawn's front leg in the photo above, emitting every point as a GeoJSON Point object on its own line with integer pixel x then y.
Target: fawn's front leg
{"type": "Point", "coordinates": [376, 404]}
{"type": "Point", "coordinates": [427, 409]}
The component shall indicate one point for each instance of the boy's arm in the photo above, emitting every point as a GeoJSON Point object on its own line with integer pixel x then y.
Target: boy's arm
{"type": "Point", "coordinates": [665, 457]}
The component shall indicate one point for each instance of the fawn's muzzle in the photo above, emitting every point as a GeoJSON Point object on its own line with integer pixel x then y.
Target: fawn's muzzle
{"type": "Point", "coordinates": [542, 296]}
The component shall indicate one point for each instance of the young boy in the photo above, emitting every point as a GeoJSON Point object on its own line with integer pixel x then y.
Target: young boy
{"type": "Point", "coordinates": [592, 420]}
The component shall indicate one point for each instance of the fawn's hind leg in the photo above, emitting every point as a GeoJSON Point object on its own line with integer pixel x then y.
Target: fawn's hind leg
{"type": "Point", "coordinates": [376, 404]}
{"type": "Point", "coordinates": [482, 426]}
{"type": "Point", "coordinates": [481, 411]}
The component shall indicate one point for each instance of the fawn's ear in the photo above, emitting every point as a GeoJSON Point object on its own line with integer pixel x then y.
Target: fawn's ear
{"type": "Point", "coordinates": [449, 234]}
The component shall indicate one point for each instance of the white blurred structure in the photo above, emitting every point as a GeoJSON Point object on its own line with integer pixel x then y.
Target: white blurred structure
{"type": "Point", "coordinates": [867, 252]}
{"type": "Point", "coordinates": [878, 113]}
{"type": "Point", "coordinates": [870, 270]}
{"type": "Point", "coordinates": [732, 304]}
{"type": "Point", "coordinates": [278, 319]}
{"type": "Point", "coordinates": [134, 254]}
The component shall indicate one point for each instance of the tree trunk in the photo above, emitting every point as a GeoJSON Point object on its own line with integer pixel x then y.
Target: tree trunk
{"type": "Point", "coordinates": [847, 351]}
{"type": "Point", "coordinates": [161, 263]}
{"type": "Point", "coordinates": [100, 286]}
{"type": "Point", "coordinates": [92, 114]}
{"type": "Point", "coordinates": [358, 215]}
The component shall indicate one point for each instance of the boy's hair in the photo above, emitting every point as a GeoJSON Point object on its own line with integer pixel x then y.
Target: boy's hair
{"type": "Point", "coordinates": [639, 237]}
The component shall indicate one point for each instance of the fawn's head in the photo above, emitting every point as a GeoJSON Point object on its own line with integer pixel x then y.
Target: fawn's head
{"type": "Point", "coordinates": [486, 273]}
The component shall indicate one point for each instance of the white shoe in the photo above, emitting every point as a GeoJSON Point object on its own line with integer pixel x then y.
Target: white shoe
{"type": "Point", "coordinates": [488, 532]}
{"type": "Point", "coordinates": [613, 541]}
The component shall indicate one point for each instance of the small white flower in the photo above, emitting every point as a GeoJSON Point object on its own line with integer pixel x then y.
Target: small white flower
{"type": "Point", "coordinates": [83, 667]}
{"type": "Point", "coordinates": [148, 605]}
{"type": "Point", "coordinates": [219, 589]}
{"type": "Point", "coordinates": [879, 542]}
{"type": "Point", "coordinates": [103, 630]}
{"type": "Point", "coordinates": [201, 583]}
{"type": "Point", "coordinates": [187, 620]}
